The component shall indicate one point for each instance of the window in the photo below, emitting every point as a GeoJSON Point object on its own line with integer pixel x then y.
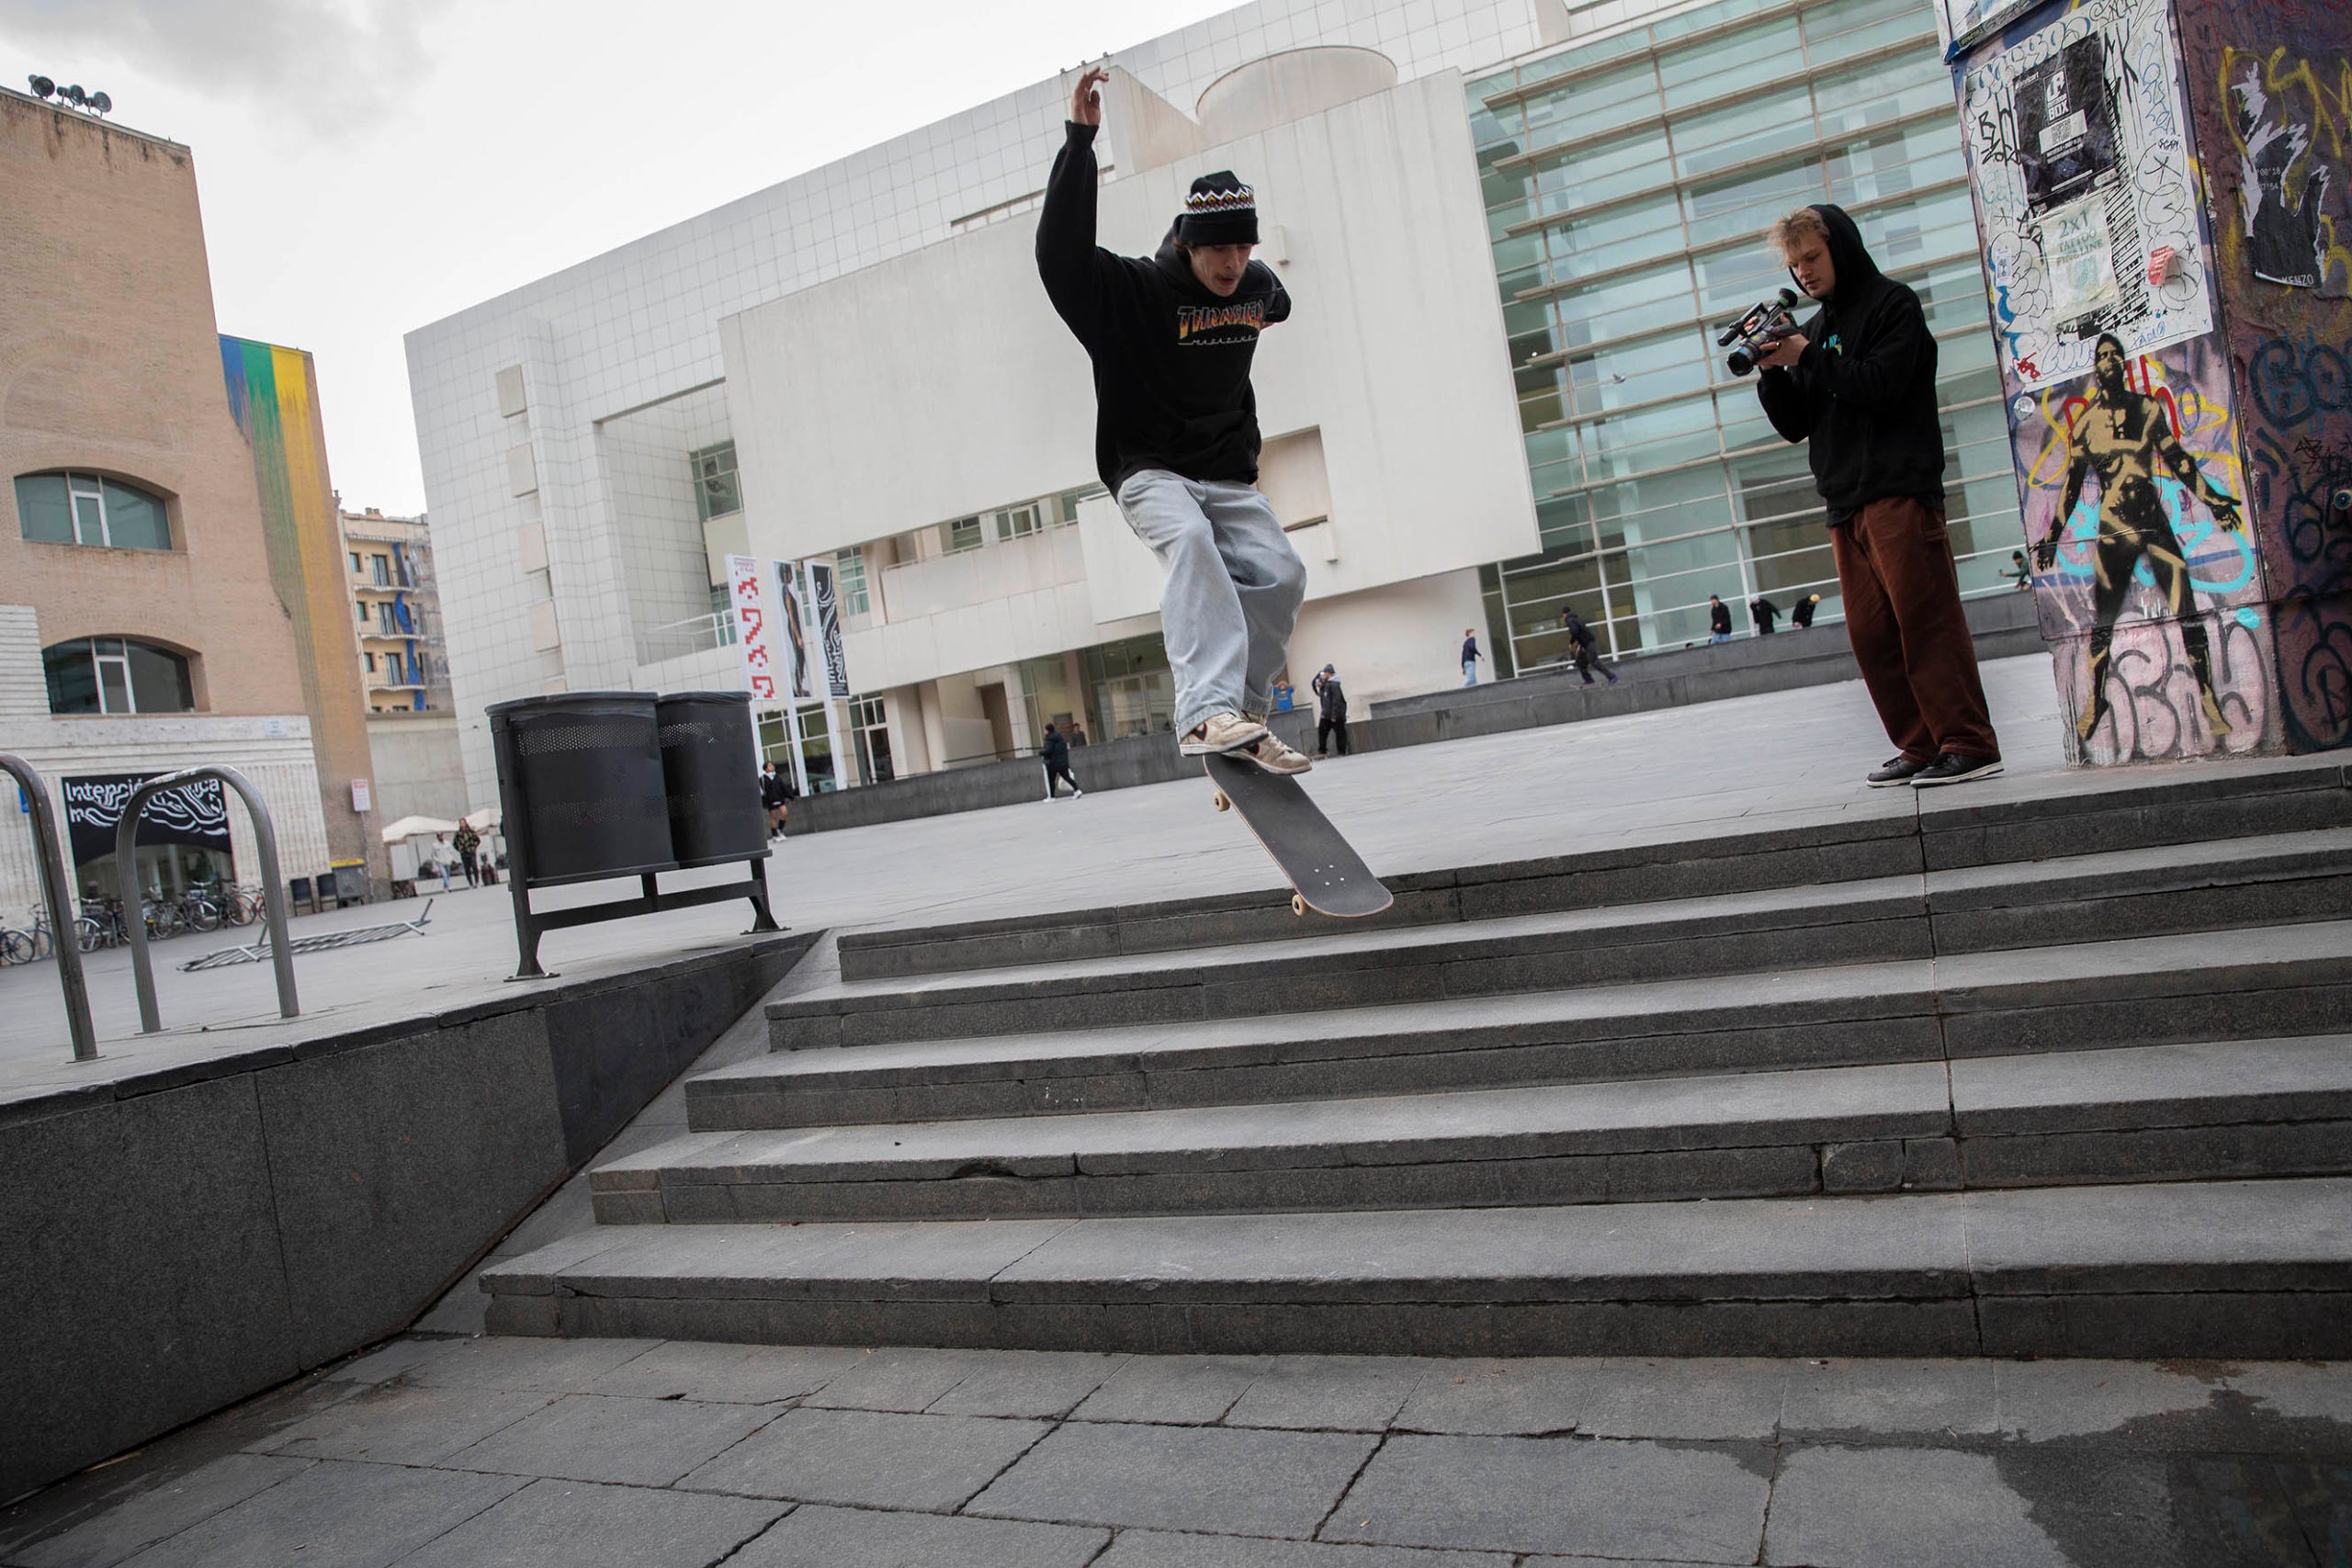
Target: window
{"type": "Point", "coordinates": [1016, 523]}
{"type": "Point", "coordinates": [384, 622]}
{"type": "Point", "coordinates": [355, 563]}
{"type": "Point", "coordinates": [716, 491]}
{"type": "Point", "coordinates": [964, 534]}
{"type": "Point", "coordinates": [850, 580]}
{"type": "Point", "coordinates": [84, 509]}
{"type": "Point", "coordinates": [1067, 504]}
{"type": "Point", "coordinates": [113, 675]}
{"type": "Point", "coordinates": [371, 662]}
{"type": "Point", "coordinates": [382, 567]}
{"type": "Point", "coordinates": [361, 606]}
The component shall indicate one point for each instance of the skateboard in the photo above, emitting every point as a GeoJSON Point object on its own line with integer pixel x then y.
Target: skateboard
{"type": "Point", "coordinates": [1325, 873]}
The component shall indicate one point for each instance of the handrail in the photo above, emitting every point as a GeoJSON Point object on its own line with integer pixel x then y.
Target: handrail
{"type": "Point", "coordinates": [125, 839]}
{"type": "Point", "coordinates": [60, 908]}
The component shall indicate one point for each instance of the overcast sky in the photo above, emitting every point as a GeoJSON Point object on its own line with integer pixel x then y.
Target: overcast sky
{"type": "Point", "coordinates": [370, 165]}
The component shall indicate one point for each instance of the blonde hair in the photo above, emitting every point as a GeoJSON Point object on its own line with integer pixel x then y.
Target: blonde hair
{"type": "Point", "coordinates": [1803, 223]}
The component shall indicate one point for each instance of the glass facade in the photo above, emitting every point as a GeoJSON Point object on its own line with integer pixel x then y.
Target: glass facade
{"type": "Point", "coordinates": [1628, 183]}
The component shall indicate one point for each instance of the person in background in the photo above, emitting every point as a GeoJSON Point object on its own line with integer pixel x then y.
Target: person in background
{"type": "Point", "coordinates": [439, 856]}
{"type": "Point", "coordinates": [1583, 646]}
{"type": "Point", "coordinates": [1470, 656]}
{"type": "Point", "coordinates": [1054, 753]}
{"type": "Point", "coordinates": [1077, 733]}
{"type": "Point", "coordinates": [1802, 616]}
{"type": "Point", "coordinates": [1331, 711]}
{"type": "Point", "coordinates": [772, 797]}
{"type": "Point", "coordinates": [1718, 619]}
{"type": "Point", "coordinates": [1285, 695]}
{"type": "Point", "coordinates": [1765, 614]}
{"type": "Point", "coordinates": [465, 843]}
{"type": "Point", "coordinates": [2020, 571]}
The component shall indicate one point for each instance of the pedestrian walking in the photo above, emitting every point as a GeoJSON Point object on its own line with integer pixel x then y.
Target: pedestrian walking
{"type": "Point", "coordinates": [1470, 656]}
{"type": "Point", "coordinates": [1077, 733]}
{"type": "Point", "coordinates": [465, 841]}
{"type": "Point", "coordinates": [1718, 620]}
{"type": "Point", "coordinates": [1171, 337]}
{"type": "Point", "coordinates": [1054, 753]}
{"type": "Point", "coordinates": [440, 855]}
{"type": "Point", "coordinates": [1857, 381]}
{"type": "Point", "coordinates": [1802, 616]}
{"type": "Point", "coordinates": [1765, 614]}
{"type": "Point", "coordinates": [1331, 709]}
{"type": "Point", "coordinates": [772, 797]}
{"type": "Point", "coordinates": [1583, 647]}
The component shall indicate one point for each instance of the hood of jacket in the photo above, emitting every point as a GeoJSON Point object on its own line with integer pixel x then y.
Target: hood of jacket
{"type": "Point", "coordinates": [1858, 274]}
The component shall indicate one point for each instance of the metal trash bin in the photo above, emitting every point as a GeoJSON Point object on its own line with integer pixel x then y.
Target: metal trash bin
{"type": "Point", "coordinates": [584, 772]}
{"type": "Point", "coordinates": [711, 758]}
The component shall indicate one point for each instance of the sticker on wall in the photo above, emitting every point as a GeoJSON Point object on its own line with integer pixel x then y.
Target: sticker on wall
{"type": "Point", "coordinates": [2074, 134]}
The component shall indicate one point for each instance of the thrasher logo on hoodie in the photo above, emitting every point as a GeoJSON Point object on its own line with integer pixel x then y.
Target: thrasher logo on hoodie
{"type": "Point", "coordinates": [1231, 324]}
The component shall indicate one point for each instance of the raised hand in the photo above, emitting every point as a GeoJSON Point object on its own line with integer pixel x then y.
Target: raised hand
{"type": "Point", "coordinates": [2045, 550]}
{"type": "Point", "coordinates": [1086, 98]}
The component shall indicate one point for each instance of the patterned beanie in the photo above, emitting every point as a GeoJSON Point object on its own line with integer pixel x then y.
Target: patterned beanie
{"type": "Point", "coordinates": [1220, 210]}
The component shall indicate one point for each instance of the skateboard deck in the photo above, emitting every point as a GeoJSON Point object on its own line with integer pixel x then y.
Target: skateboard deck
{"type": "Point", "coordinates": [1325, 873]}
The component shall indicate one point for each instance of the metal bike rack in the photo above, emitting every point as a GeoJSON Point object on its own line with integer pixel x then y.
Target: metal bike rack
{"type": "Point", "coordinates": [60, 912]}
{"type": "Point", "coordinates": [125, 838]}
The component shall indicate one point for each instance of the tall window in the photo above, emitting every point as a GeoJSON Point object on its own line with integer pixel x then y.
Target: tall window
{"type": "Point", "coordinates": [717, 491]}
{"type": "Point", "coordinates": [1016, 522]}
{"type": "Point", "coordinates": [114, 675]}
{"type": "Point", "coordinates": [964, 534]}
{"type": "Point", "coordinates": [850, 579]}
{"type": "Point", "coordinates": [382, 568]}
{"type": "Point", "coordinates": [85, 509]}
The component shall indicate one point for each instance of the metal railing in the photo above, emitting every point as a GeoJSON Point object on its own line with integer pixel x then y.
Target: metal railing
{"type": "Point", "coordinates": [126, 839]}
{"type": "Point", "coordinates": [657, 645]}
{"type": "Point", "coordinates": [60, 910]}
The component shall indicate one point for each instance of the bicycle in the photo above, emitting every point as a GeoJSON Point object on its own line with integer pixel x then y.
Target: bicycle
{"type": "Point", "coordinates": [15, 947]}
{"type": "Point", "coordinates": [195, 910]}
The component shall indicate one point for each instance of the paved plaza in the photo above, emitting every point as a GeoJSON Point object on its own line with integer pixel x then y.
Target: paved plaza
{"type": "Point", "coordinates": [446, 1447]}
{"type": "Point", "coordinates": [639, 1454]}
{"type": "Point", "coordinates": [1714, 768]}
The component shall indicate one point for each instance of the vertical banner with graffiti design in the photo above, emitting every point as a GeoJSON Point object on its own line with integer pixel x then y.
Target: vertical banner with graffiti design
{"type": "Point", "coordinates": [829, 628]}
{"type": "Point", "coordinates": [753, 631]}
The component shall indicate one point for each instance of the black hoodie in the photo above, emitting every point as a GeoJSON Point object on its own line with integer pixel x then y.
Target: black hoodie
{"type": "Point", "coordinates": [1172, 359]}
{"type": "Point", "coordinates": [1865, 388]}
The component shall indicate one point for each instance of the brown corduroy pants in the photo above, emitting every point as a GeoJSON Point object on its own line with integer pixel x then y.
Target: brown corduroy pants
{"type": "Point", "coordinates": [1909, 633]}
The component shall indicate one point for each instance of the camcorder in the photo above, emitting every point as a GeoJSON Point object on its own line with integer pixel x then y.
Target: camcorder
{"type": "Point", "coordinates": [1765, 324]}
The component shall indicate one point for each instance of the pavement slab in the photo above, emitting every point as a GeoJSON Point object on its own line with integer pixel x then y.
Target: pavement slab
{"type": "Point", "coordinates": [1894, 1397]}
{"type": "Point", "coordinates": [1861, 1508]}
{"type": "Point", "coordinates": [870, 1459]}
{"type": "Point", "coordinates": [1603, 1498]}
{"type": "Point", "coordinates": [571, 1524]}
{"type": "Point", "coordinates": [1175, 1389]}
{"type": "Point", "coordinates": [334, 1515]}
{"type": "Point", "coordinates": [1329, 1392]}
{"type": "Point", "coordinates": [548, 1366]}
{"type": "Point", "coordinates": [897, 1377]}
{"type": "Point", "coordinates": [633, 1442]}
{"type": "Point", "coordinates": [818, 1537]}
{"type": "Point", "coordinates": [398, 1424]}
{"type": "Point", "coordinates": [736, 1374]}
{"type": "Point", "coordinates": [1159, 1549]}
{"type": "Point", "coordinates": [1028, 1382]}
{"type": "Point", "coordinates": [147, 1517]}
{"type": "Point", "coordinates": [1217, 1479]}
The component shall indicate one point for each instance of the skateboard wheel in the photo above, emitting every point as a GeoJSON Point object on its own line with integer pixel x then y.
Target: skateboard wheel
{"type": "Point", "coordinates": [1222, 803]}
{"type": "Point", "coordinates": [1298, 904]}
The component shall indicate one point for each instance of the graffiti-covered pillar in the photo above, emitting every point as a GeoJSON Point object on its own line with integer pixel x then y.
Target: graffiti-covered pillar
{"type": "Point", "coordinates": [2157, 540]}
{"type": "Point", "coordinates": [2271, 98]}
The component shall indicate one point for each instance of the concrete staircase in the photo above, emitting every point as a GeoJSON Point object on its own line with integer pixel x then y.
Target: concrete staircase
{"type": "Point", "coordinates": [2064, 1077]}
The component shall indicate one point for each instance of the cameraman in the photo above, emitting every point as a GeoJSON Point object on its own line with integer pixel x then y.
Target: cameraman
{"type": "Point", "coordinates": [1859, 380]}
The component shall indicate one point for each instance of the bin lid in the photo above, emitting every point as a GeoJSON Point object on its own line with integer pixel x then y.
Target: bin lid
{"type": "Point", "coordinates": [556, 701]}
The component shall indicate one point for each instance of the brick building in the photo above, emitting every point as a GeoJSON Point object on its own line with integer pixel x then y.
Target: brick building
{"type": "Point", "coordinates": [144, 621]}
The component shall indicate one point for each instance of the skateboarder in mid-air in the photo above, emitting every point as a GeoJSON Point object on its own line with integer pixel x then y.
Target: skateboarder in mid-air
{"type": "Point", "coordinates": [1176, 440]}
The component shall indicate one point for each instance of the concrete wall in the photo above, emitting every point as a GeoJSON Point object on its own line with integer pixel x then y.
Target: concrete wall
{"type": "Point", "coordinates": [180, 1241]}
{"type": "Point", "coordinates": [420, 769]}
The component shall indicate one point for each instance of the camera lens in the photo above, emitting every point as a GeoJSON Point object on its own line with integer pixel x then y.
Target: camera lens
{"type": "Point", "coordinates": [1741, 362]}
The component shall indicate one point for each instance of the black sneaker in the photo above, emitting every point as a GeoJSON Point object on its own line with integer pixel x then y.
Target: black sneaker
{"type": "Point", "coordinates": [1953, 768]}
{"type": "Point", "coordinates": [1897, 771]}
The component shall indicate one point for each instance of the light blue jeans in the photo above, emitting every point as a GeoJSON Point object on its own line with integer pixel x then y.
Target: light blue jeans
{"type": "Point", "coordinates": [1469, 672]}
{"type": "Point", "coordinates": [1232, 589]}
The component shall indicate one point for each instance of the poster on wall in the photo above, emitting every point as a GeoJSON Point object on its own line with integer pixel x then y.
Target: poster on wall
{"type": "Point", "coordinates": [2076, 139]}
{"type": "Point", "coordinates": [829, 628]}
{"type": "Point", "coordinates": [753, 634]}
{"type": "Point", "coordinates": [793, 614]}
{"type": "Point", "coordinates": [194, 813]}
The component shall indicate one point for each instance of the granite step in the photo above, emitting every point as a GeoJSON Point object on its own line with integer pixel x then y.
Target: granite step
{"type": "Point", "coordinates": [2253, 982]}
{"type": "Point", "coordinates": [2149, 1113]}
{"type": "Point", "coordinates": [1879, 837]}
{"type": "Point", "coordinates": [2265, 880]}
{"type": "Point", "coordinates": [2221, 1269]}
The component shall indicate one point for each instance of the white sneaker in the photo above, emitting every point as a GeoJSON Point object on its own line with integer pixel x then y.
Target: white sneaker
{"type": "Point", "coordinates": [1221, 732]}
{"type": "Point", "coordinates": [1078, 794]}
{"type": "Point", "coordinates": [1273, 754]}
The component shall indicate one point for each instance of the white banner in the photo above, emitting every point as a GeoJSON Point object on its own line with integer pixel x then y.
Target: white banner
{"type": "Point", "coordinates": [754, 632]}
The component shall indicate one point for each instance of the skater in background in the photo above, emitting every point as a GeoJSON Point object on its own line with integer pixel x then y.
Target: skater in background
{"type": "Point", "coordinates": [772, 797]}
{"type": "Point", "coordinates": [1765, 614]}
{"type": "Point", "coordinates": [1802, 616]}
{"type": "Point", "coordinates": [1171, 337]}
{"type": "Point", "coordinates": [1470, 656]}
{"type": "Point", "coordinates": [1583, 647]}
{"type": "Point", "coordinates": [1718, 619]}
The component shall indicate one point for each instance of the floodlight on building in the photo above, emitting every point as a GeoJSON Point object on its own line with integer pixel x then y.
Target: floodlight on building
{"type": "Point", "coordinates": [42, 87]}
{"type": "Point", "coordinates": [100, 103]}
